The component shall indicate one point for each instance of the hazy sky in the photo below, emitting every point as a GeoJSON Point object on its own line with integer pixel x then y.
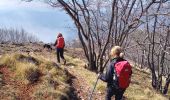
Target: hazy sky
{"type": "Point", "coordinates": [37, 18]}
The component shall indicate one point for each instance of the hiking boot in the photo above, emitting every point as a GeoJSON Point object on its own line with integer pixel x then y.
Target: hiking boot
{"type": "Point", "coordinates": [64, 62]}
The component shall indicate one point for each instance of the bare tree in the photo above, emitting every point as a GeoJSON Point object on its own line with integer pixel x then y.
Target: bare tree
{"type": "Point", "coordinates": [16, 36]}
{"type": "Point", "coordinates": [153, 43]}
{"type": "Point", "coordinates": [103, 23]}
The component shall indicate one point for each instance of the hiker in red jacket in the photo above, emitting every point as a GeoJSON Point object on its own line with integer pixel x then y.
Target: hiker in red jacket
{"type": "Point", "coordinates": [117, 75]}
{"type": "Point", "coordinates": [60, 44]}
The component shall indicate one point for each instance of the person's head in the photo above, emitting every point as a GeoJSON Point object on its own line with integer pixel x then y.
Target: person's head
{"type": "Point", "coordinates": [59, 35]}
{"type": "Point", "coordinates": [116, 51]}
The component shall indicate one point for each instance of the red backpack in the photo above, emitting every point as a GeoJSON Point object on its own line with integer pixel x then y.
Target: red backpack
{"type": "Point", "coordinates": [60, 42]}
{"type": "Point", "coordinates": [123, 71]}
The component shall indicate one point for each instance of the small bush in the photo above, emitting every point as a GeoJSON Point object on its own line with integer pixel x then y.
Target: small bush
{"type": "Point", "coordinates": [32, 74]}
{"type": "Point", "coordinates": [27, 72]}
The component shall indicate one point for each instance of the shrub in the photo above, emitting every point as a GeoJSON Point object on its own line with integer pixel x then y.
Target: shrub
{"type": "Point", "coordinates": [32, 74]}
{"type": "Point", "coordinates": [27, 71]}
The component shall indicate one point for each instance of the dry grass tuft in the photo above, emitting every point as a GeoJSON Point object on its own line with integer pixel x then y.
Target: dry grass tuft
{"type": "Point", "coordinates": [27, 72]}
{"type": "Point", "coordinates": [7, 60]}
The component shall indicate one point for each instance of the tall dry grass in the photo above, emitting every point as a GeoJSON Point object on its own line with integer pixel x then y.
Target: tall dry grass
{"type": "Point", "coordinates": [53, 80]}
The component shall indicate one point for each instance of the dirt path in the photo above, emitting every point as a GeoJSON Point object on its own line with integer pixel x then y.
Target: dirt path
{"type": "Point", "coordinates": [83, 90]}
{"type": "Point", "coordinates": [79, 83]}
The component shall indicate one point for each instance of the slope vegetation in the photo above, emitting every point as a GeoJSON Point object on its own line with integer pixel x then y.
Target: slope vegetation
{"type": "Point", "coordinates": [28, 72]}
{"type": "Point", "coordinates": [140, 88]}
{"type": "Point", "coordinates": [25, 77]}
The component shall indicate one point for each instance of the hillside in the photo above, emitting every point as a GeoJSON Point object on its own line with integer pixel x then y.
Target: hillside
{"type": "Point", "coordinates": [25, 77]}
{"type": "Point", "coordinates": [27, 71]}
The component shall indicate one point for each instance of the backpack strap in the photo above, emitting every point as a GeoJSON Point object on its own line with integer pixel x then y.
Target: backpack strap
{"type": "Point", "coordinates": [115, 78]}
{"type": "Point", "coordinates": [114, 61]}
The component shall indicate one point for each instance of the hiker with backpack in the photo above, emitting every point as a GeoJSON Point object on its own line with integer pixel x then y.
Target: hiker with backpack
{"type": "Point", "coordinates": [117, 75]}
{"type": "Point", "coordinates": [60, 44]}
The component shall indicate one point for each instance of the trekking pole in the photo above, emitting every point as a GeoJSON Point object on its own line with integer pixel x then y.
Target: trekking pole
{"type": "Point", "coordinates": [90, 98]}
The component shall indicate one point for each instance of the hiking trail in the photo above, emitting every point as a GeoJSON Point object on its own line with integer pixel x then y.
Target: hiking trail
{"type": "Point", "coordinates": [79, 81]}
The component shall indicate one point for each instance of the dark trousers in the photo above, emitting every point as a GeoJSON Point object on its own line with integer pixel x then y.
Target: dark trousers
{"type": "Point", "coordinates": [117, 92]}
{"type": "Point", "coordinates": [60, 53]}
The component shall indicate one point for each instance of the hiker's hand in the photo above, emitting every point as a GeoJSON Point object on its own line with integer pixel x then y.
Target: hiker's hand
{"type": "Point", "coordinates": [98, 75]}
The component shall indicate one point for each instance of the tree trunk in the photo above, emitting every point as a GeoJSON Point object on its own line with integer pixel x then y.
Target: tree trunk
{"type": "Point", "coordinates": [154, 80]}
{"type": "Point", "coordinates": [142, 62]}
{"type": "Point", "coordinates": [92, 65]}
{"type": "Point", "coordinates": [166, 85]}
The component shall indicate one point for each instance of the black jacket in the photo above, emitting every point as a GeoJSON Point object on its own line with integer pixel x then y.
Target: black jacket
{"type": "Point", "coordinates": [108, 76]}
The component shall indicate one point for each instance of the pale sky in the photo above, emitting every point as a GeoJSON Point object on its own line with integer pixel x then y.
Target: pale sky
{"type": "Point", "coordinates": [37, 18]}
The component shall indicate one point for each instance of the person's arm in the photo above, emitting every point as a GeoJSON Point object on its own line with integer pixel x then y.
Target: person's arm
{"type": "Point", "coordinates": [108, 75]}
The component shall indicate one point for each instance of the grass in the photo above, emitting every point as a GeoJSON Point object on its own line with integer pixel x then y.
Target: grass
{"type": "Point", "coordinates": [7, 60]}
{"type": "Point", "coordinates": [52, 80]}
{"type": "Point", "coordinates": [27, 72]}
{"type": "Point", "coordinates": [53, 83]}
{"type": "Point", "coordinates": [140, 88]}
{"type": "Point", "coordinates": [80, 70]}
